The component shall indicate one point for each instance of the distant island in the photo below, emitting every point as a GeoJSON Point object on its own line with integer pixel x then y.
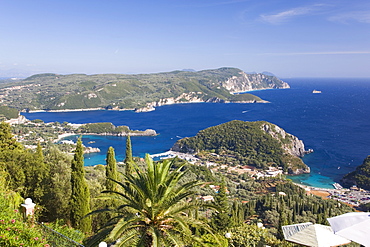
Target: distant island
{"type": "Point", "coordinates": [247, 144]}
{"type": "Point", "coordinates": [140, 92]}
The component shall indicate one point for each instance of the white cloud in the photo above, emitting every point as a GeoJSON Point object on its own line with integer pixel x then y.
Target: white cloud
{"type": "Point", "coordinates": [360, 16]}
{"type": "Point", "coordinates": [286, 15]}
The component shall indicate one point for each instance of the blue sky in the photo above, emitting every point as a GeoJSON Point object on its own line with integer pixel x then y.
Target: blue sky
{"type": "Point", "coordinates": [302, 38]}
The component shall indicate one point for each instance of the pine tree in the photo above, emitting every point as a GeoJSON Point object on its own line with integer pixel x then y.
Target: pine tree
{"type": "Point", "coordinates": [111, 170]}
{"type": "Point", "coordinates": [80, 198]}
{"type": "Point", "coordinates": [128, 160]}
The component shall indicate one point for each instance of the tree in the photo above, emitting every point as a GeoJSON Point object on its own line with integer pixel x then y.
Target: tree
{"type": "Point", "coordinates": [59, 189]}
{"type": "Point", "coordinates": [80, 197]}
{"type": "Point", "coordinates": [221, 219]}
{"type": "Point", "coordinates": [7, 142]}
{"type": "Point", "coordinates": [12, 158]}
{"type": "Point", "coordinates": [152, 210]}
{"type": "Point", "coordinates": [128, 159]}
{"type": "Point", "coordinates": [251, 236]}
{"type": "Point", "coordinates": [111, 170]}
{"type": "Point", "coordinates": [37, 175]}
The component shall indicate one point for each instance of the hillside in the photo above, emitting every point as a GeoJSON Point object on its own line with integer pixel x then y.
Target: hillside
{"type": "Point", "coordinates": [7, 113]}
{"type": "Point", "coordinates": [359, 177]}
{"type": "Point", "coordinates": [260, 144]}
{"type": "Point", "coordinates": [140, 91]}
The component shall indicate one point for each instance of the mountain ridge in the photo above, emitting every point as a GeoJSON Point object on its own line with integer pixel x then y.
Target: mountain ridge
{"type": "Point", "coordinates": [138, 91]}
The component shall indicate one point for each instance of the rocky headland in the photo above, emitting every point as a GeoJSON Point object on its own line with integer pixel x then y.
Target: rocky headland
{"type": "Point", "coordinates": [259, 144]}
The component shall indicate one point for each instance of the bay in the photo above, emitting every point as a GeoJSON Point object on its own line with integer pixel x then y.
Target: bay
{"type": "Point", "coordinates": [335, 123]}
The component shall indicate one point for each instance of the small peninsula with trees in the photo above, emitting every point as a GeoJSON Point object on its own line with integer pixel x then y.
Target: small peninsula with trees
{"type": "Point", "coordinates": [257, 144]}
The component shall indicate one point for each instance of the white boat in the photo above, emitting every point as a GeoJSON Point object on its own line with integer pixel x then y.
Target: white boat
{"type": "Point", "coordinates": [316, 91]}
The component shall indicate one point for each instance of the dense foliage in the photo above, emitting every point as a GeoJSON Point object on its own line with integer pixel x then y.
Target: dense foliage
{"type": "Point", "coordinates": [111, 170]}
{"type": "Point", "coordinates": [359, 177]}
{"type": "Point", "coordinates": [100, 128]}
{"type": "Point", "coordinates": [245, 141]}
{"type": "Point", "coordinates": [8, 113]}
{"type": "Point", "coordinates": [79, 91]}
{"type": "Point", "coordinates": [80, 196]}
{"type": "Point", "coordinates": [240, 201]}
{"type": "Point", "coordinates": [153, 209]}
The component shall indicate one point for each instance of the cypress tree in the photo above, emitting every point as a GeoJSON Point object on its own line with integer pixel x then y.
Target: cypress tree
{"type": "Point", "coordinates": [128, 160]}
{"type": "Point", "coordinates": [221, 220]}
{"type": "Point", "coordinates": [80, 197]}
{"type": "Point", "coordinates": [111, 170]}
{"type": "Point", "coordinates": [283, 221]}
{"type": "Point", "coordinates": [237, 214]}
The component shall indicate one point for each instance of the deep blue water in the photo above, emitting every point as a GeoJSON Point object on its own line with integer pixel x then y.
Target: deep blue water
{"type": "Point", "coordinates": [335, 123]}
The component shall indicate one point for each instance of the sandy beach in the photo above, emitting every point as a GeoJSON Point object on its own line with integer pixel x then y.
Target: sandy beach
{"type": "Point", "coordinates": [60, 137]}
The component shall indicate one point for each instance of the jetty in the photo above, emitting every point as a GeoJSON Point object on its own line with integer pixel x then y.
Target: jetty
{"type": "Point", "coordinates": [172, 154]}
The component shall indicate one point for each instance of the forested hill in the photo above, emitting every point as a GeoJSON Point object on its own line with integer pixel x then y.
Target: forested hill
{"type": "Point", "coordinates": [260, 144]}
{"type": "Point", "coordinates": [359, 177]}
{"type": "Point", "coordinates": [123, 91]}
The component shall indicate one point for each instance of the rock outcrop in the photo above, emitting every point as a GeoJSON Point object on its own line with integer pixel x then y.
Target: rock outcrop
{"type": "Point", "coordinates": [192, 97]}
{"type": "Point", "coordinates": [290, 143]}
{"type": "Point", "coordinates": [249, 82]}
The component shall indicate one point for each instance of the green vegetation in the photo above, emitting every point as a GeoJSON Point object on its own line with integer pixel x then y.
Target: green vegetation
{"type": "Point", "coordinates": [120, 91]}
{"type": "Point", "coordinates": [221, 220]}
{"type": "Point", "coordinates": [245, 142]}
{"type": "Point", "coordinates": [80, 197]}
{"type": "Point", "coordinates": [111, 170]}
{"type": "Point", "coordinates": [35, 131]}
{"type": "Point", "coordinates": [359, 177]}
{"type": "Point", "coordinates": [153, 210]}
{"type": "Point", "coordinates": [158, 202]}
{"type": "Point", "coordinates": [101, 128]}
{"type": "Point", "coordinates": [128, 157]}
{"type": "Point", "coordinates": [8, 113]}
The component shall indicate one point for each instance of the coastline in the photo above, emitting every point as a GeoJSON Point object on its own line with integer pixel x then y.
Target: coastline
{"type": "Point", "coordinates": [143, 133]}
{"type": "Point", "coordinates": [61, 136]}
{"type": "Point", "coordinates": [309, 188]}
{"type": "Point", "coordinates": [147, 109]}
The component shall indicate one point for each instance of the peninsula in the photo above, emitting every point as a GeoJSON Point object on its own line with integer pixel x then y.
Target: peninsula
{"type": "Point", "coordinates": [245, 145]}
{"type": "Point", "coordinates": [140, 92]}
{"type": "Point", "coordinates": [29, 133]}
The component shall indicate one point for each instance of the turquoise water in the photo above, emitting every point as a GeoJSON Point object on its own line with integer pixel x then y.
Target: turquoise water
{"type": "Point", "coordinates": [335, 123]}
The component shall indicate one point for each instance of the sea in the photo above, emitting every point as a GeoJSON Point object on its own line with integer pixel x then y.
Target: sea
{"type": "Point", "coordinates": [334, 123]}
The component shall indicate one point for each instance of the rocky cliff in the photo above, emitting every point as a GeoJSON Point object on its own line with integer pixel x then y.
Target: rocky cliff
{"type": "Point", "coordinates": [249, 82]}
{"type": "Point", "coordinates": [290, 143]}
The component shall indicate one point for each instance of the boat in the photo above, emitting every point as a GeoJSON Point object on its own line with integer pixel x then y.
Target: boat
{"type": "Point", "coordinates": [316, 91]}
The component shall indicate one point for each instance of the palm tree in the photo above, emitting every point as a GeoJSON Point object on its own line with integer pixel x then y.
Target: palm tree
{"type": "Point", "coordinates": [153, 210]}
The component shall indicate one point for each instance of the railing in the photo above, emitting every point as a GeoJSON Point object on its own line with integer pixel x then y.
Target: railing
{"type": "Point", "coordinates": [56, 239]}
